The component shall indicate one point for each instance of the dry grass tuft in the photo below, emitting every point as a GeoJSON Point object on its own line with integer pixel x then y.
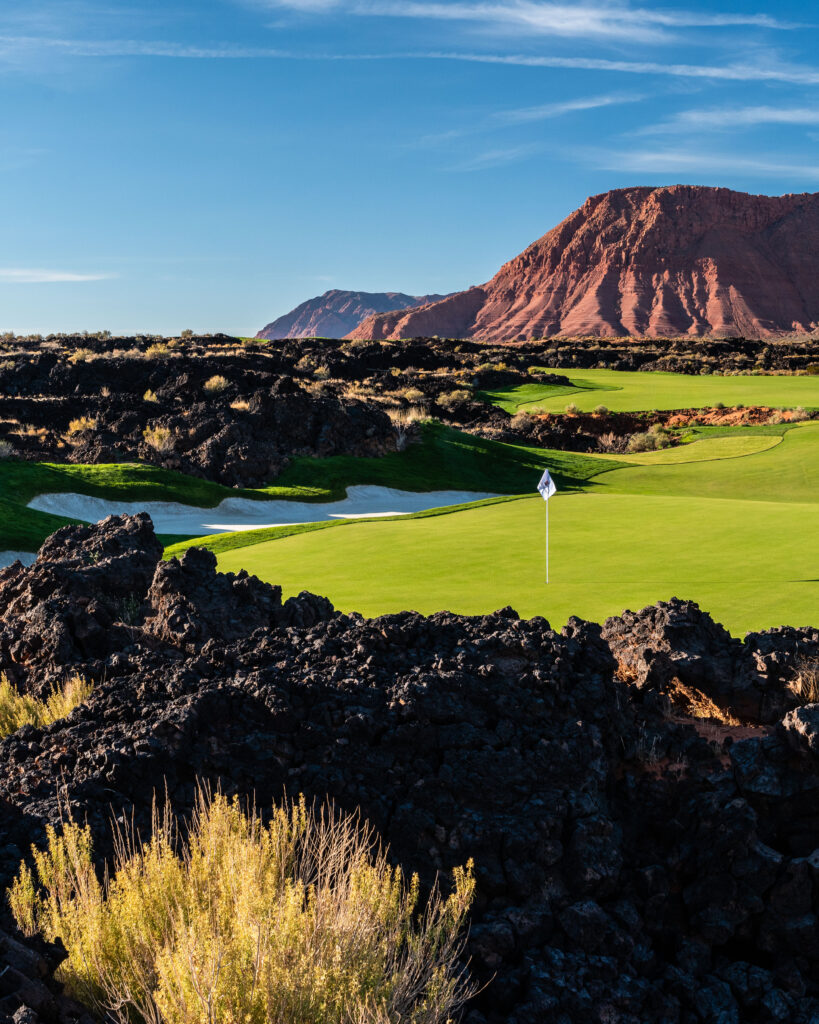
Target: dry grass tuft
{"type": "Point", "coordinates": [19, 709]}
{"type": "Point", "coordinates": [159, 438]}
{"type": "Point", "coordinates": [240, 405]}
{"type": "Point", "coordinates": [805, 683]}
{"type": "Point", "coordinates": [216, 384]}
{"type": "Point", "coordinates": [150, 396]}
{"type": "Point", "coordinates": [299, 922]}
{"type": "Point", "coordinates": [82, 423]}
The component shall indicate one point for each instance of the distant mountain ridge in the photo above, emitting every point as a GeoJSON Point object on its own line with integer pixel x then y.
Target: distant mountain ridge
{"type": "Point", "coordinates": [646, 262]}
{"type": "Point", "coordinates": [335, 313]}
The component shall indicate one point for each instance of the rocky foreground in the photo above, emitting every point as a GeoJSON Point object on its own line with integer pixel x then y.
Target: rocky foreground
{"type": "Point", "coordinates": [635, 863]}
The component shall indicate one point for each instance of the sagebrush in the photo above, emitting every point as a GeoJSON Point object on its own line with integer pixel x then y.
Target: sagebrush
{"type": "Point", "coordinates": [302, 921]}
{"type": "Point", "coordinates": [19, 709]}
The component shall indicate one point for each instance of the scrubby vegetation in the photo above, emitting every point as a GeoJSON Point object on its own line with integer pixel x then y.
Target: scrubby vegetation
{"type": "Point", "coordinates": [19, 709]}
{"type": "Point", "coordinates": [302, 921]}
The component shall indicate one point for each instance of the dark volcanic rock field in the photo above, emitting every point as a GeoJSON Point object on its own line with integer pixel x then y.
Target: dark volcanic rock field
{"type": "Point", "coordinates": [635, 863]}
{"type": "Point", "coordinates": [237, 412]}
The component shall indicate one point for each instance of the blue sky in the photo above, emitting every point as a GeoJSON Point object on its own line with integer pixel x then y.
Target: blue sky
{"type": "Point", "coordinates": [211, 164]}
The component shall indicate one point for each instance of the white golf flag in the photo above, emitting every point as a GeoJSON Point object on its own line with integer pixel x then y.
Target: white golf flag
{"type": "Point", "coordinates": [546, 486]}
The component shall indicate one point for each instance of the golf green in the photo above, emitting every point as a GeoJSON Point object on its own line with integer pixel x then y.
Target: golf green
{"type": "Point", "coordinates": [737, 531]}
{"type": "Point", "coordinates": [625, 391]}
{"type": "Point", "coordinates": [747, 562]}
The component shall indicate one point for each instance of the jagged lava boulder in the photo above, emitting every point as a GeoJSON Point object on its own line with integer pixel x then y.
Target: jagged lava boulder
{"type": "Point", "coordinates": [630, 869]}
{"type": "Point", "coordinates": [646, 262]}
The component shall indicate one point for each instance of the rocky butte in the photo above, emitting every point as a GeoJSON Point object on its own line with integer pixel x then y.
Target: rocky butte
{"type": "Point", "coordinates": [644, 262]}
{"type": "Point", "coordinates": [336, 313]}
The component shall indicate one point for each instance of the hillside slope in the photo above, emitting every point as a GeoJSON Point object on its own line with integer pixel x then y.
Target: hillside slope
{"type": "Point", "coordinates": [336, 313]}
{"type": "Point", "coordinates": [645, 262]}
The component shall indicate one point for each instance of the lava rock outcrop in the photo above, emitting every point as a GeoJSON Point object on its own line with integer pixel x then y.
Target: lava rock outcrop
{"type": "Point", "coordinates": [634, 863]}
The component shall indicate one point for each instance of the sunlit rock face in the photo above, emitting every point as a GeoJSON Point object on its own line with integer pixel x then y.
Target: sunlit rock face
{"type": "Point", "coordinates": [645, 262]}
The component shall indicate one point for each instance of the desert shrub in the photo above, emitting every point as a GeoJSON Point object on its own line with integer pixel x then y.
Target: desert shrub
{"type": "Point", "coordinates": [216, 384]}
{"type": "Point", "coordinates": [81, 423]}
{"type": "Point", "coordinates": [813, 369]}
{"type": "Point", "coordinates": [451, 399]}
{"type": "Point", "coordinates": [150, 396]}
{"type": "Point", "coordinates": [19, 709]}
{"type": "Point", "coordinates": [82, 355]}
{"type": "Point", "coordinates": [157, 351]}
{"type": "Point", "coordinates": [601, 410]}
{"type": "Point", "coordinates": [658, 430]}
{"type": "Point", "coordinates": [799, 414]}
{"type": "Point", "coordinates": [240, 405]}
{"type": "Point", "coordinates": [159, 438]}
{"type": "Point", "coordinates": [805, 683]}
{"type": "Point", "coordinates": [301, 922]}
{"type": "Point", "coordinates": [643, 443]}
{"type": "Point", "coordinates": [719, 405]}
{"type": "Point", "coordinates": [571, 409]}
{"type": "Point", "coordinates": [403, 421]}
{"type": "Point", "coordinates": [413, 395]}
{"type": "Point", "coordinates": [6, 450]}
{"type": "Point", "coordinates": [186, 334]}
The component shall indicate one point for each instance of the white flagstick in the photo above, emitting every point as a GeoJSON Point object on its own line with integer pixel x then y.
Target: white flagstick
{"type": "Point", "coordinates": [547, 488]}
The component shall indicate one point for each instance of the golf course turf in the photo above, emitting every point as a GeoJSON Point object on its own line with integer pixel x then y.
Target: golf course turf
{"type": "Point", "coordinates": [729, 519]}
{"type": "Point", "coordinates": [739, 533]}
{"type": "Point", "coordinates": [623, 391]}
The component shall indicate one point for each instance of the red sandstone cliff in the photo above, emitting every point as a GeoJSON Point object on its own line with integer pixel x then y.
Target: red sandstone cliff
{"type": "Point", "coordinates": [645, 262]}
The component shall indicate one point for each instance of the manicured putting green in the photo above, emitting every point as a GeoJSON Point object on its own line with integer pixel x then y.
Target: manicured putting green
{"type": "Point", "coordinates": [737, 530]}
{"type": "Point", "coordinates": [751, 564]}
{"type": "Point", "coordinates": [623, 391]}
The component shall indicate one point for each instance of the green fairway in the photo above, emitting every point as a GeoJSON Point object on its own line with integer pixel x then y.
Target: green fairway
{"type": "Point", "coordinates": [787, 472]}
{"type": "Point", "coordinates": [623, 391]}
{"type": "Point", "coordinates": [748, 563]}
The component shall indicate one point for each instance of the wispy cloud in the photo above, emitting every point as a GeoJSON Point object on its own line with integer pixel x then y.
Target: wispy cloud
{"type": "Point", "coordinates": [675, 161]}
{"type": "Point", "coordinates": [547, 111]}
{"type": "Point", "coordinates": [797, 74]}
{"type": "Point", "coordinates": [17, 275]}
{"type": "Point", "coordinates": [589, 21]}
{"type": "Point", "coordinates": [499, 157]}
{"type": "Point", "coordinates": [739, 71]}
{"type": "Point", "coordinates": [726, 118]}
{"type": "Point", "coordinates": [500, 119]}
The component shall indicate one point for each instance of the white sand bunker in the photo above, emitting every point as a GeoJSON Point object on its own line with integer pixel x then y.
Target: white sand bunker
{"type": "Point", "coordinates": [10, 557]}
{"type": "Point", "coordinates": [246, 514]}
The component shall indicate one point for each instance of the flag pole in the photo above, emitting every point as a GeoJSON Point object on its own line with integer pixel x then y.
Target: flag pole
{"type": "Point", "coordinates": [547, 541]}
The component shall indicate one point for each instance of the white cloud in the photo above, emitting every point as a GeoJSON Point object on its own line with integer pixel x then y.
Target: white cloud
{"type": "Point", "coordinates": [602, 21]}
{"type": "Point", "coordinates": [28, 276]}
{"type": "Point", "coordinates": [676, 161]}
{"type": "Point", "coordinates": [797, 74]}
{"type": "Point", "coordinates": [546, 111]}
{"type": "Point", "coordinates": [721, 118]}
{"type": "Point", "coordinates": [498, 157]}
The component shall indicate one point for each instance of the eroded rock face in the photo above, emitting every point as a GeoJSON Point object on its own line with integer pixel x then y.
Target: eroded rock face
{"type": "Point", "coordinates": [631, 865]}
{"type": "Point", "coordinates": [647, 262]}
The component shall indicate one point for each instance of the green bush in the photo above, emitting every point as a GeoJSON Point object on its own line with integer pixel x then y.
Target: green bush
{"type": "Point", "coordinates": [300, 922]}
{"type": "Point", "coordinates": [642, 443]}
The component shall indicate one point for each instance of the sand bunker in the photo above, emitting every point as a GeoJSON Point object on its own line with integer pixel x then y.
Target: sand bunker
{"type": "Point", "coordinates": [246, 514]}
